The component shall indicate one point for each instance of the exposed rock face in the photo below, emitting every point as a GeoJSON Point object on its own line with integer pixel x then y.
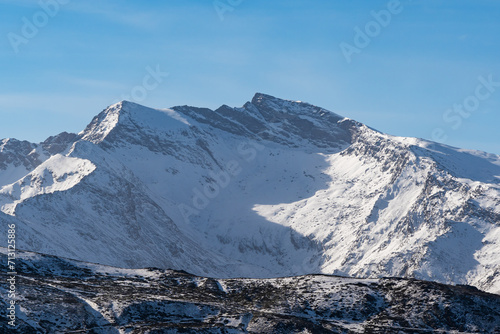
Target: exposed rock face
{"type": "Point", "coordinates": [274, 188]}
{"type": "Point", "coordinates": [65, 296]}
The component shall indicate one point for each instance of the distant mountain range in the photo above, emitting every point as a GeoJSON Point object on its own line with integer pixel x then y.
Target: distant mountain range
{"type": "Point", "coordinates": [274, 188]}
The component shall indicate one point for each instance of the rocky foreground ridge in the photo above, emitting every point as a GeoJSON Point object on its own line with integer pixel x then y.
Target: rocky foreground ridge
{"type": "Point", "coordinates": [58, 295]}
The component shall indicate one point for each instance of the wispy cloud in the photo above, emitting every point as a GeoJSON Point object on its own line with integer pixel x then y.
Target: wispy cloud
{"type": "Point", "coordinates": [117, 12]}
{"type": "Point", "coordinates": [54, 103]}
{"type": "Point", "coordinates": [24, 3]}
{"type": "Point", "coordinates": [93, 83]}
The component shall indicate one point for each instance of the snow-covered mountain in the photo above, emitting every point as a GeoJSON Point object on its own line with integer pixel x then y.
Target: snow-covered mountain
{"type": "Point", "coordinates": [274, 188]}
{"type": "Point", "coordinates": [66, 296]}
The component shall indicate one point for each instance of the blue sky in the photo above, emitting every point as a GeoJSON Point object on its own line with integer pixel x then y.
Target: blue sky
{"type": "Point", "coordinates": [405, 81]}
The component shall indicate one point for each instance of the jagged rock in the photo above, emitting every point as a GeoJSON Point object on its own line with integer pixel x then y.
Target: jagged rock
{"type": "Point", "coordinates": [273, 188]}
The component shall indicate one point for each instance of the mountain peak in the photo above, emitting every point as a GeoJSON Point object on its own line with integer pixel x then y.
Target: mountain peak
{"type": "Point", "coordinates": [275, 187]}
{"type": "Point", "coordinates": [271, 107]}
{"type": "Point", "coordinates": [265, 100]}
{"type": "Point", "coordinates": [291, 123]}
{"type": "Point", "coordinates": [132, 117]}
{"type": "Point", "coordinates": [259, 98]}
{"type": "Point", "coordinates": [102, 124]}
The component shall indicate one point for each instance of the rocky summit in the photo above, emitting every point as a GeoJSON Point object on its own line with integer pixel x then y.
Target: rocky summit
{"type": "Point", "coordinates": [271, 189]}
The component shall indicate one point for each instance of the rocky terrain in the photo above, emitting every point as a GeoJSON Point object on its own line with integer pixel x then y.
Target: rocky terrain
{"type": "Point", "coordinates": [270, 189]}
{"type": "Point", "coordinates": [58, 295]}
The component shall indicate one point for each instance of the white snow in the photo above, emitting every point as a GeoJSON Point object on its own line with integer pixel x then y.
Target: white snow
{"type": "Point", "coordinates": [393, 206]}
{"type": "Point", "coordinates": [59, 173]}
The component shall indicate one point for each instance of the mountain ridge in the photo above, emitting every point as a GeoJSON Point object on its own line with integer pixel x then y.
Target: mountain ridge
{"type": "Point", "coordinates": [272, 188]}
{"type": "Point", "coordinates": [71, 296]}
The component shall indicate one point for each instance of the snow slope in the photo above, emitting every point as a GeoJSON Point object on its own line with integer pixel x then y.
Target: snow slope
{"type": "Point", "coordinates": [270, 189]}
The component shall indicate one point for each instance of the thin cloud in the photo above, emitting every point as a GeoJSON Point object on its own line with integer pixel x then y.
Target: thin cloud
{"type": "Point", "coordinates": [119, 14]}
{"type": "Point", "coordinates": [55, 103]}
{"type": "Point", "coordinates": [94, 83]}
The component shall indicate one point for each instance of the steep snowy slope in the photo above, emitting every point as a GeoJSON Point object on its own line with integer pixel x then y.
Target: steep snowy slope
{"type": "Point", "coordinates": [17, 158]}
{"type": "Point", "coordinates": [58, 295]}
{"type": "Point", "coordinates": [272, 188]}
